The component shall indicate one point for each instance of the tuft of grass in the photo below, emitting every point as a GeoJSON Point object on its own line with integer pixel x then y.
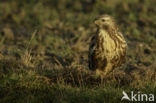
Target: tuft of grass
{"type": "Point", "coordinates": [27, 57]}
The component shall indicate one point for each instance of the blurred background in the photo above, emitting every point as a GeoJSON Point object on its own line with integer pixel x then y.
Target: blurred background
{"type": "Point", "coordinates": [45, 42]}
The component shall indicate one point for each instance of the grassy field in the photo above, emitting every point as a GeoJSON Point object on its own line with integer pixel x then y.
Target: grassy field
{"type": "Point", "coordinates": [44, 50]}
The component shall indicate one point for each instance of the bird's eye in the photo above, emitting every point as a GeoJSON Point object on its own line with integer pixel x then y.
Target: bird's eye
{"type": "Point", "coordinates": [103, 20]}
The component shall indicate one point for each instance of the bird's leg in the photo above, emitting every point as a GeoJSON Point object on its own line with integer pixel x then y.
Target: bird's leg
{"type": "Point", "coordinates": [101, 74]}
{"type": "Point", "coordinates": [107, 69]}
{"type": "Point", "coordinates": [113, 74]}
{"type": "Point", "coordinates": [102, 79]}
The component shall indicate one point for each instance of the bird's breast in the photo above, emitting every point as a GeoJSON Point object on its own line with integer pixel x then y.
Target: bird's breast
{"type": "Point", "coordinates": [106, 45]}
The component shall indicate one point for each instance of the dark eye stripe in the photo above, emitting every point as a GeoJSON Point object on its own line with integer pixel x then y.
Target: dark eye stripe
{"type": "Point", "coordinates": [103, 20]}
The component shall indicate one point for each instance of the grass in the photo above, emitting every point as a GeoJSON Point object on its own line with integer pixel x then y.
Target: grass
{"type": "Point", "coordinates": [44, 49]}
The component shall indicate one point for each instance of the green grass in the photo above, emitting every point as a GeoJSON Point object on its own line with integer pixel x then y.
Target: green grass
{"type": "Point", "coordinates": [44, 50]}
{"type": "Point", "coordinates": [27, 86]}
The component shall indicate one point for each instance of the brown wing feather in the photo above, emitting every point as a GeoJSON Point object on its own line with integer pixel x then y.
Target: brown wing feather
{"type": "Point", "coordinates": [91, 53]}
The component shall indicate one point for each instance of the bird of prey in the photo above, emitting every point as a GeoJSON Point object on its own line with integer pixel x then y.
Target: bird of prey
{"type": "Point", "coordinates": [107, 48]}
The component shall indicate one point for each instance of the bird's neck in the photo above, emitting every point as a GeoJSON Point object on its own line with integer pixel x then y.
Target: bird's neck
{"type": "Point", "coordinates": [102, 32]}
{"type": "Point", "coordinates": [108, 31]}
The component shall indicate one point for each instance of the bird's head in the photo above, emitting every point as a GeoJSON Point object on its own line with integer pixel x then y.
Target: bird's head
{"type": "Point", "coordinates": [105, 22]}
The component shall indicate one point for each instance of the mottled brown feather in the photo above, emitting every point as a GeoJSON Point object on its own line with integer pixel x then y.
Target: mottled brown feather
{"type": "Point", "coordinates": [107, 48]}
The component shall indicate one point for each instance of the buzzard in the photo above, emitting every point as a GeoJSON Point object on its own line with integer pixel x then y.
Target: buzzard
{"type": "Point", "coordinates": [107, 48]}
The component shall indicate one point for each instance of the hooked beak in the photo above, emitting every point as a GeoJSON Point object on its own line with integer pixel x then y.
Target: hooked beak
{"type": "Point", "coordinates": [96, 21]}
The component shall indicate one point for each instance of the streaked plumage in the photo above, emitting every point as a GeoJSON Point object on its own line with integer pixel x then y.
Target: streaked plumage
{"type": "Point", "coordinates": [107, 48]}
